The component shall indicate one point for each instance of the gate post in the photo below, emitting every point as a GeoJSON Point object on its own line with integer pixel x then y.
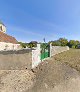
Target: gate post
{"type": "Point", "coordinates": [36, 56]}
{"type": "Point", "coordinates": [50, 49]}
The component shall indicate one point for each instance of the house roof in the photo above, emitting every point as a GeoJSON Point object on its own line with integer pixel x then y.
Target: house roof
{"type": "Point", "coordinates": [6, 38]}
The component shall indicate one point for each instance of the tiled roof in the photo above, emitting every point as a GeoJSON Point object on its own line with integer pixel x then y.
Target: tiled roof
{"type": "Point", "coordinates": [6, 38]}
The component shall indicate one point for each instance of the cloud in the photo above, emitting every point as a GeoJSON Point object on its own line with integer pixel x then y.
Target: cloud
{"type": "Point", "coordinates": [51, 35]}
{"type": "Point", "coordinates": [52, 31]}
{"type": "Point", "coordinates": [24, 30]}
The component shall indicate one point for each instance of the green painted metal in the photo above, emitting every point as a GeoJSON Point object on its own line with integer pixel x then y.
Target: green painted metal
{"type": "Point", "coordinates": [45, 51]}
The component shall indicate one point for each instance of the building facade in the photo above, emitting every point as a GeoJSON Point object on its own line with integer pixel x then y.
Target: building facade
{"type": "Point", "coordinates": [7, 42]}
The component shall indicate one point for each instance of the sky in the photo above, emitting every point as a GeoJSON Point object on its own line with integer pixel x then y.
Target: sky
{"type": "Point", "coordinates": [33, 20]}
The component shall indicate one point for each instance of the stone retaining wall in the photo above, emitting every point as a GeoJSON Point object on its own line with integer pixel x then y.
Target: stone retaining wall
{"type": "Point", "coordinates": [9, 46]}
{"type": "Point", "coordinates": [14, 60]}
{"type": "Point", "coordinates": [58, 49]}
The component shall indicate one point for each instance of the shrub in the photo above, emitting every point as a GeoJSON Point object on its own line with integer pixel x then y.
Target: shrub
{"type": "Point", "coordinates": [73, 47]}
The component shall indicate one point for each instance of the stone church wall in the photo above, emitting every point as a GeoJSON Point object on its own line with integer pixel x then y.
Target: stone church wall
{"type": "Point", "coordinates": [9, 46]}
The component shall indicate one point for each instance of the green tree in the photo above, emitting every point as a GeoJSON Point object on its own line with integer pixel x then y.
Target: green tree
{"type": "Point", "coordinates": [32, 44]}
{"type": "Point", "coordinates": [73, 43]}
{"type": "Point", "coordinates": [63, 41]}
{"type": "Point", "coordinates": [23, 45]}
{"type": "Point", "coordinates": [56, 43]}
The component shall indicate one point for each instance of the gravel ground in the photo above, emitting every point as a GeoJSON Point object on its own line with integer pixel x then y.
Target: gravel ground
{"type": "Point", "coordinates": [16, 80]}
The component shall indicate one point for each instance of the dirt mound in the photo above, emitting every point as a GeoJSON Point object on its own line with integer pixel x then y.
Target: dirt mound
{"type": "Point", "coordinates": [15, 80]}
{"type": "Point", "coordinates": [55, 76]}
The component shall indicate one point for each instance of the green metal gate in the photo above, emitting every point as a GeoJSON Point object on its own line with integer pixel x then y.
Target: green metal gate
{"type": "Point", "coordinates": [45, 51]}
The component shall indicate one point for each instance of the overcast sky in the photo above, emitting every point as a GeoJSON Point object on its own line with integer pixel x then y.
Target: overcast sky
{"type": "Point", "coordinates": [29, 20]}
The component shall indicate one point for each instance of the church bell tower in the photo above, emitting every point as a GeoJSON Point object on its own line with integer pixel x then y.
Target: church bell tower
{"type": "Point", "coordinates": [2, 27]}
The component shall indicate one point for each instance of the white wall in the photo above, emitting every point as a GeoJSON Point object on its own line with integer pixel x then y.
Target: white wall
{"type": "Point", "coordinates": [58, 49]}
{"type": "Point", "coordinates": [36, 56]}
{"type": "Point", "coordinates": [9, 46]}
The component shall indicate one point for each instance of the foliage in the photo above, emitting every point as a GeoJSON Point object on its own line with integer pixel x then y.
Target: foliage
{"type": "Point", "coordinates": [78, 46]}
{"type": "Point", "coordinates": [73, 46]}
{"type": "Point", "coordinates": [32, 44]}
{"type": "Point", "coordinates": [63, 41]}
{"type": "Point", "coordinates": [23, 44]}
{"type": "Point", "coordinates": [60, 42]}
{"type": "Point", "coordinates": [73, 43]}
{"type": "Point", "coordinates": [29, 45]}
{"type": "Point", "coordinates": [44, 45]}
{"type": "Point", "coordinates": [56, 43]}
